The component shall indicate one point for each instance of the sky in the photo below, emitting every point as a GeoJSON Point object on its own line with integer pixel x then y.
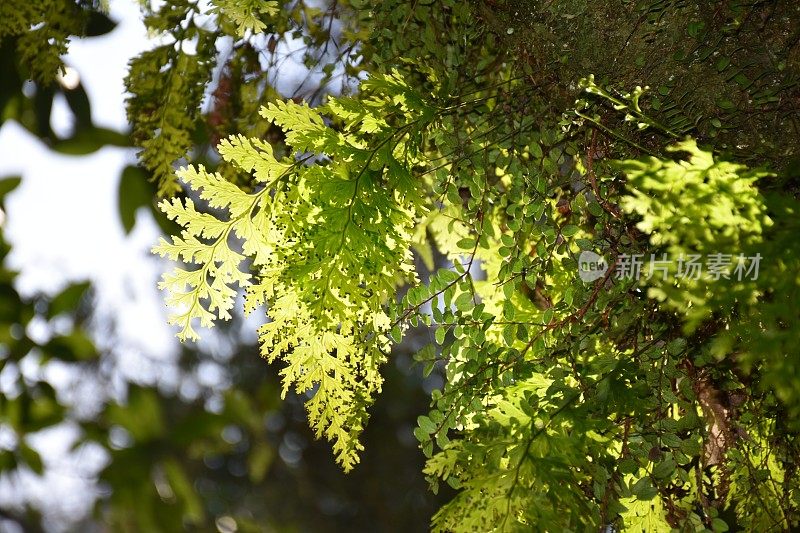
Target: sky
{"type": "Point", "coordinates": [62, 221]}
{"type": "Point", "coordinates": [63, 227]}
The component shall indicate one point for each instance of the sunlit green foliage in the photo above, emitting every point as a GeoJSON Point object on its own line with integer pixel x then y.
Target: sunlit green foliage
{"type": "Point", "coordinates": [42, 31]}
{"type": "Point", "coordinates": [329, 243]}
{"type": "Point", "coordinates": [246, 14]}
{"type": "Point", "coordinates": [632, 402]}
{"type": "Point", "coordinates": [166, 110]}
{"type": "Point", "coordinates": [699, 207]}
{"type": "Point", "coordinates": [479, 137]}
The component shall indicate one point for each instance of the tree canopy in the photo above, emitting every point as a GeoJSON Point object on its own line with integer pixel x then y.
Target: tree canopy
{"type": "Point", "coordinates": [591, 207]}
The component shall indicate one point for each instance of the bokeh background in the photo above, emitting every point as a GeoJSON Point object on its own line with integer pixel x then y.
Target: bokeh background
{"type": "Point", "coordinates": [107, 423]}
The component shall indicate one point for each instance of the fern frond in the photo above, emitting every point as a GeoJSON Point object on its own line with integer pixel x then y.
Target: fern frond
{"type": "Point", "coordinates": [247, 15]}
{"type": "Point", "coordinates": [329, 243]}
